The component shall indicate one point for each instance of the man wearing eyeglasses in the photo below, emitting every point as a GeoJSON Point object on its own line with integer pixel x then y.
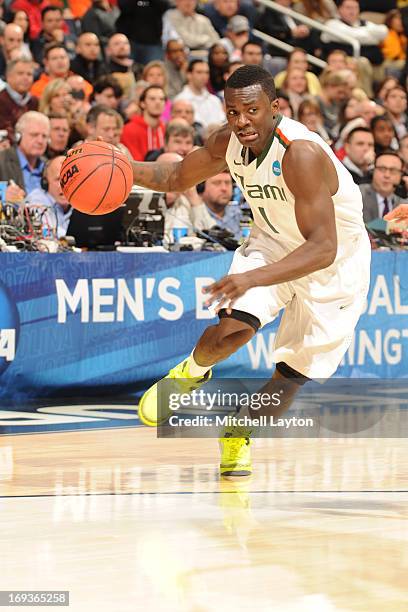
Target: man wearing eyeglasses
{"type": "Point", "coordinates": [379, 197]}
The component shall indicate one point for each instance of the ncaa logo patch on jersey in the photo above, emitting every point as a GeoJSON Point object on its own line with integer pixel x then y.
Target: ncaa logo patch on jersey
{"type": "Point", "coordinates": [276, 168]}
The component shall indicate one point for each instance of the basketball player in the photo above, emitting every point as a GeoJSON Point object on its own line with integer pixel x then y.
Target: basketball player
{"type": "Point", "coordinates": [308, 252]}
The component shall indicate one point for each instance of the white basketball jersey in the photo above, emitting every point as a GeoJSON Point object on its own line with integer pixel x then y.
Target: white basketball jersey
{"type": "Point", "coordinates": [273, 205]}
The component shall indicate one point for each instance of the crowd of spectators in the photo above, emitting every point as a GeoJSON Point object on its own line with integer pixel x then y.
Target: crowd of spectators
{"type": "Point", "coordinates": [148, 76]}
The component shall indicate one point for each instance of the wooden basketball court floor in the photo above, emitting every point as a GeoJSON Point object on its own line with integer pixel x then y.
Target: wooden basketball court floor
{"type": "Point", "coordinates": [126, 522]}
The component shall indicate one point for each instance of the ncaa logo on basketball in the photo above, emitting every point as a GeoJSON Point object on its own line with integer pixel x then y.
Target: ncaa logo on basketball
{"type": "Point", "coordinates": [68, 175]}
{"type": "Point", "coordinates": [9, 328]}
{"type": "Point", "coordinates": [276, 168]}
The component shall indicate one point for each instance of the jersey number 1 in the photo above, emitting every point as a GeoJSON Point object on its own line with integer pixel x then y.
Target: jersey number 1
{"type": "Point", "coordinates": [265, 218]}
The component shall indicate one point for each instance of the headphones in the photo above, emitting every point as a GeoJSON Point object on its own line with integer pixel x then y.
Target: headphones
{"type": "Point", "coordinates": [44, 183]}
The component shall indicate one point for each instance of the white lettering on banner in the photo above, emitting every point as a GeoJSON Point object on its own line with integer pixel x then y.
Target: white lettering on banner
{"type": "Point", "coordinates": [170, 298]}
{"type": "Point", "coordinates": [133, 302]}
{"type": "Point", "coordinates": [8, 344]}
{"type": "Point", "coordinates": [65, 297]}
{"type": "Point", "coordinates": [120, 296]}
{"type": "Point", "coordinates": [258, 351]}
{"type": "Point", "coordinates": [399, 308]}
{"type": "Point", "coordinates": [382, 347]}
{"type": "Point", "coordinates": [202, 311]}
{"type": "Point", "coordinates": [380, 296]}
{"type": "Point", "coordinates": [99, 300]}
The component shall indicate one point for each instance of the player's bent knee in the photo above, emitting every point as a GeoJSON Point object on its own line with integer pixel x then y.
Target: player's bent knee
{"type": "Point", "coordinates": [287, 372]}
{"type": "Point", "coordinates": [239, 316]}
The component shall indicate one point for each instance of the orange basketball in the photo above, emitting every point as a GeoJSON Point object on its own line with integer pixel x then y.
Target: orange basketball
{"type": "Point", "coordinates": [96, 178]}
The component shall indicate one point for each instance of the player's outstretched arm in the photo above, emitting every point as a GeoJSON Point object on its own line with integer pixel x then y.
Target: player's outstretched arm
{"type": "Point", "coordinates": [195, 167]}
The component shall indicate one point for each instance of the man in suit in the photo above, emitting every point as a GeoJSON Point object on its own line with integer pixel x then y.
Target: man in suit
{"type": "Point", "coordinates": [22, 164]}
{"type": "Point", "coordinates": [359, 148]}
{"type": "Point", "coordinates": [379, 196]}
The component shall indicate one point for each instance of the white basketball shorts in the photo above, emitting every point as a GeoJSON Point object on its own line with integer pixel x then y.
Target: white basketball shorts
{"type": "Point", "coordinates": [320, 310]}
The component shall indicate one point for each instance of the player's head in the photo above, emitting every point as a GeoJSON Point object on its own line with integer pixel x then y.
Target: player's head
{"type": "Point", "coordinates": [251, 105]}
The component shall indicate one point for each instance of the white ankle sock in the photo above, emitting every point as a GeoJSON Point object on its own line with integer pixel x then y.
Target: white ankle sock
{"type": "Point", "coordinates": [194, 369]}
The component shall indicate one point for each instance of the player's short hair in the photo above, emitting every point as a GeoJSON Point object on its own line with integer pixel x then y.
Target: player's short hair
{"type": "Point", "coordinates": [178, 128]}
{"type": "Point", "coordinates": [360, 128]}
{"type": "Point", "coordinates": [252, 75]}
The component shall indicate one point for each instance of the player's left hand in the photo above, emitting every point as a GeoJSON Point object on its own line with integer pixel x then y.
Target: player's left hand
{"type": "Point", "coordinates": [227, 290]}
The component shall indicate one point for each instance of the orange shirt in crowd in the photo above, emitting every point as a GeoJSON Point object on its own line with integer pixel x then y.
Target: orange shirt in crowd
{"type": "Point", "coordinates": [394, 46]}
{"type": "Point", "coordinates": [39, 85]}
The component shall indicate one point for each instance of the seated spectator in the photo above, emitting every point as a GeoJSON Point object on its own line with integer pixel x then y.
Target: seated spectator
{"type": "Point", "coordinates": [56, 66]}
{"type": "Point", "coordinates": [221, 12]}
{"type": "Point", "coordinates": [145, 132]}
{"type": "Point", "coordinates": [385, 137]}
{"type": "Point", "coordinates": [335, 90]}
{"type": "Point", "coordinates": [104, 123]}
{"type": "Point", "coordinates": [286, 29]}
{"type": "Point", "coordinates": [235, 36]}
{"type": "Point", "coordinates": [15, 99]}
{"type": "Point", "coordinates": [11, 39]}
{"type": "Point", "coordinates": [194, 29]}
{"type": "Point", "coordinates": [141, 22]}
{"type": "Point", "coordinates": [183, 109]}
{"type": "Point", "coordinates": [57, 214]}
{"type": "Point", "coordinates": [176, 65]}
{"type": "Point", "coordinates": [218, 64]}
{"type": "Point", "coordinates": [394, 46]}
{"type": "Point", "coordinates": [381, 88]}
{"type": "Point", "coordinates": [178, 138]}
{"type": "Point", "coordinates": [369, 34]}
{"type": "Point", "coordinates": [368, 109]}
{"type": "Point", "coordinates": [395, 104]}
{"type": "Point", "coordinates": [59, 135]}
{"type": "Point", "coordinates": [310, 115]}
{"type": "Point", "coordinates": [285, 107]}
{"type": "Point", "coordinates": [20, 18]}
{"type": "Point", "coordinates": [33, 9]}
{"type": "Point", "coordinates": [207, 107]}
{"type": "Point", "coordinates": [120, 63]}
{"type": "Point", "coordinates": [56, 98]}
{"type": "Point", "coordinates": [336, 60]}
{"type": "Point", "coordinates": [87, 62]}
{"type": "Point", "coordinates": [295, 87]}
{"type": "Point", "coordinates": [154, 73]}
{"type": "Point", "coordinates": [180, 206]}
{"type": "Point", "coordinates": [100, 19]}
{"type": "Point", "coordinates": [403, 152]}
{"type": "Point", "coordinates": [107, 91]}
{"type": "Point", "coordinates": [252, 54]}
{"type": "Point", "coordinates": [319, 10]}
{"type": "Point", "coordinates": [23, 163]}
{"type": "Point", "coordinates": [298, 59]}
{"type": "Point", "coordinates": [359, 159]}
{"type": "Point", "coordinates": [52, 30]}
{"type": "Point", "coordinates": [379, 196]}
{"type": "Point", "coordinates": [218, 209]}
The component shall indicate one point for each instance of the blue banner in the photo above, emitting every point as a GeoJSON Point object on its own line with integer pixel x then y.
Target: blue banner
{"type": "Point", "coordinates": [96, 323]}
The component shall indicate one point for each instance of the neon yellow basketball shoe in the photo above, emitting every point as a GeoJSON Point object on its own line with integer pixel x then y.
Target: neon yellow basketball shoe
{"type": "Point", "coordinates": [183, 383]}
{"type": "Point", "coordinates": [235, 456]}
